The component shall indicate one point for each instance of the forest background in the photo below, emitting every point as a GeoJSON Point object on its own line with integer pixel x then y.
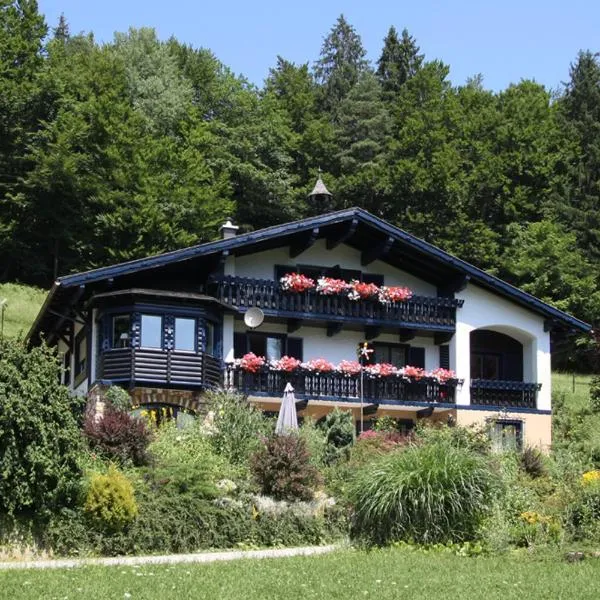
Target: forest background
{"type": "Point", "coordinates": [114, 151]}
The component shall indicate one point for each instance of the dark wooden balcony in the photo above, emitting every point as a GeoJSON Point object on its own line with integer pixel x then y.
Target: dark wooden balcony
{"type": "Point", "coordinates": [505, 394]}
{"type": "Point", "coordinates": [336, 386]}
{"type": "Point", "coordinates": [420, 312]}
{"type": "Point", "coordinates": [160, 367]}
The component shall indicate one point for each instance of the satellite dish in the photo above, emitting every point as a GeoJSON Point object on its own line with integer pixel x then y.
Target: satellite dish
{"type": "Point", "coordinates": [254, 317]}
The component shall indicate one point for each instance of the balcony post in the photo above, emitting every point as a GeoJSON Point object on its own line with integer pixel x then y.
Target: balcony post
{"type": "Point", "coordinates": [543, 374]}
{"type": "Point", "coordinates": [460, 361]}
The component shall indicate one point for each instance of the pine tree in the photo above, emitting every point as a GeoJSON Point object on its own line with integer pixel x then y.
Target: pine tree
{"type": "Point", "coordinates": [341, 62]}
{"type": "Point", "coordinates": [399, 61]}
{"type": "Point", "coordinates": [579, 202]}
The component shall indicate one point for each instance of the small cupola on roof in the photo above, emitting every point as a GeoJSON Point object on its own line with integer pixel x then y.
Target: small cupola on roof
{"type": "Point", "coordinates": [228, 230]}
{"type": "Point", "coordinates": [320, 199]}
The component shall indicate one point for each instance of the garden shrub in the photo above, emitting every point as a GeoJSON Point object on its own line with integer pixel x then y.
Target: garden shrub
{"type": "Point", "coordinates": [386, 424]}
{"type": "Point", "coordinates": [314, 437]}
{"type": "Point", "coordinates": [474, 438]}
{"type": "Point", "coordinates": [595, 394]}
{"type": "Point", "coordinates": [532, 462]}
{"type": "Point", "coordinates": [119, 436]}
{"type": "Point", "coordinates": [110, 501]}
{"type": "Point", "coordinates": [339, 435]}
{"type": "Point", "coordinates": [118, 398]}
{"type": "Point", "coordinates": [583, 512]}
{"type": "Point", "coordinates": [190, 447]}
{"type": "Point", "coordinates": [39, 432]}
{"type": "Point", "coordinates": [372, 444]}
{"type": "Point", "coordinates": [430, 493]}
{"type": "Point", "coordinates": [237, 426]}
{"type": "Point", "coordinates": [282, 468]}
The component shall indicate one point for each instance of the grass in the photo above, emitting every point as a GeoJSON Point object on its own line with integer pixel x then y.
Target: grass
{"type": "Point", "coordinates": [344, 574]}
{"type": "Point", "coordinates": [23, 305]}
{"type": "Point", "coordinates": [576, 388]}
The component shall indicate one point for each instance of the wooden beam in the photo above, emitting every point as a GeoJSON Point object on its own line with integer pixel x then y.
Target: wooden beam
{"type": "Point", "coordinates": [405, 335]}
{"type": "Point", "coordinates": [425, 412]}
{"type": "Point", "coordinates": [458, 284]}
{"type": "Point", "coordinates": [370, 409]}
{"type": "Point", "coordinates": [293, 325]}
{"type": "Point", "coordinates": [378, 251]}
{"type": "Point", "coordinates": [372, 331]}
{"type": "Point", "coordinates": [549, 325]}
{"type": "Point", "coordinates": [334, 327]}
{"type": "Point", "coordinates": [304, 244]}
{"type": "Point", "coordinates": [334, 242]}
{"type": "Point", "coordinates": [301, 405]}
{"type": "Point", "coordinates": [442, 337]}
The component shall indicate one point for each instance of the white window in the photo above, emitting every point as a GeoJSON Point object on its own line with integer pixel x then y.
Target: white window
{"type": "Point", "coordinates": [151, 336]}
{"type": "Point", "coordinates": [185, 334]}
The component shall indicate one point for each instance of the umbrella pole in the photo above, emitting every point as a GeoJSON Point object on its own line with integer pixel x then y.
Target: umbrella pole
{"type": "Point", "coordinates": [362, 429]}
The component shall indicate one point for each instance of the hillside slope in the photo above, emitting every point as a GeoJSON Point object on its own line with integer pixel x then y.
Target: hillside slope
{"type": "Point", "coordinates": [23, 305]}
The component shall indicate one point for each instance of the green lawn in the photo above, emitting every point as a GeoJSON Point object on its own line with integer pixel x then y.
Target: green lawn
{"type": "Point", "coordinates": [343, 574]}
{"type": "Point", "coordinates": [23, 305]}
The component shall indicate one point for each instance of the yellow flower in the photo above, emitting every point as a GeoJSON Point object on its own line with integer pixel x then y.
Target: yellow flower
{"type": "Point", "coordinates": [591, 477]}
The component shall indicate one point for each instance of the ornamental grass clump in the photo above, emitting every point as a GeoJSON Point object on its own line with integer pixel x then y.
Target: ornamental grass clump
{"type": "Point", "coordinates": [432, 493]}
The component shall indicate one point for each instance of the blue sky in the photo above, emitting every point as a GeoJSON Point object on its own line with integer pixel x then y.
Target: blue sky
{"type": "Point", "coordinates": [505, 40]}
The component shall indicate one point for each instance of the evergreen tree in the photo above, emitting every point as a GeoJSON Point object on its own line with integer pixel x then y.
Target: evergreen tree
{"type": "Point", "coordinates": [363, 128]}
{"type": "Point", "coordinates": [341, 63]}
{"type": "Point", "coordinates": [579, 200]}
{"type": "Point", "coordinates": [399, 61]}
{"type": "Point", "coordinates": [22, 30]}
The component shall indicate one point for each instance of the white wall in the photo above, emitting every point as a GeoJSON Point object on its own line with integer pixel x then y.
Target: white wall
{"type": "Point", "coordinates": [341, 346]}
{"type": "Point", "coordinates": [485, 310]}
{"type": "Point", "coordinates": [260, 265]}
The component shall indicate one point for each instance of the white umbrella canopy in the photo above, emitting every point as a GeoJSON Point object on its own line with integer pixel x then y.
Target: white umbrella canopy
{"type": "Point", "coordinates": [288, 419]}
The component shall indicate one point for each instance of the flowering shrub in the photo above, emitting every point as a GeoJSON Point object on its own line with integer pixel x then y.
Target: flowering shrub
{"type": "Point", "coordinates": [413, 372]}
{"type": "Point", "coordinates": [443, 375]}
{"type": "Point", "coordinates": [296, 282]}
{"type": "Point", "coordinates": [349, 367]}
{"type": "Point", "coordinates": [381, 370]}
{"type": "Point", "coordinates": [285, 363]}
{"type": "Point", "coordinates": [394, 294]}
{"type": "Point", "coordinates": [328, 286]}
{"type": "Point", "coordinates": [362, 291]}
{"type": "Point", "coordinates": [319, 365]}
{"type": "Point", "coordinates": [250, 362]}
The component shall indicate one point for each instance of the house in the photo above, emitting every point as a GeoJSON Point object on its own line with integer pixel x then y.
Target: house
{"type": "Point", "coordinates": [168, 327]}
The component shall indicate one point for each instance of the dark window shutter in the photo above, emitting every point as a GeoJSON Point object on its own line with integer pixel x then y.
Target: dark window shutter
{"type": "Point", "coordinates": [445, 357]}
{"type": "Point", "coordinates": [372, 278]}
{"type": "Point", "coordinates": [239, 344]}
{"type": "Point", "coordinates": [416, 357]}
{"type": "Point", "coordinates": [294, 348]}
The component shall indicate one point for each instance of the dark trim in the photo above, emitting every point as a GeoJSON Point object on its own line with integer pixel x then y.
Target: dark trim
{"type": "Point", "coordinates": [300, 247]}
{"type": "Point", "coordinates": [335, 242]}
{"type": "Point", "coordinates": [378, 251]}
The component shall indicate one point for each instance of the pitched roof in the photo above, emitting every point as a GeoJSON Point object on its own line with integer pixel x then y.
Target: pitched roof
{"type": "Point", "coordinates": [412, 246]}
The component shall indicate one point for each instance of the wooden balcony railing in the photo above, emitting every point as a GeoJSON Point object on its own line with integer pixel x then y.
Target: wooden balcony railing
{"type": "Point", "coordinates": [160, 367]}
{"type": "Point", "coordinates": [509, 394]}
{"type": "Point", "coordinates": [244, 293]}
{"type": "Point", "coordinates": [336, 386]}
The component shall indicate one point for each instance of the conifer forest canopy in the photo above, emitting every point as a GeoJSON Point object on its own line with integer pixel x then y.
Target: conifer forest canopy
{"type": "Point", "coordinates": [114, 151]}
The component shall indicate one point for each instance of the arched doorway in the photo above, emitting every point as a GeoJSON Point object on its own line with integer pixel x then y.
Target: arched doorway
{"type": "Point", "coordinates": [495, 356]}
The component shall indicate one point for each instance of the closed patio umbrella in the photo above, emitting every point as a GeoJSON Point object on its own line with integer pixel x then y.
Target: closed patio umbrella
{"type": "Point", "coordinates": [288, 419]}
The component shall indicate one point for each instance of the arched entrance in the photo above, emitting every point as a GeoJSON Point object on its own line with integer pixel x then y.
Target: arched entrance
{"type": "Point", "coordinates": [495, 356]}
